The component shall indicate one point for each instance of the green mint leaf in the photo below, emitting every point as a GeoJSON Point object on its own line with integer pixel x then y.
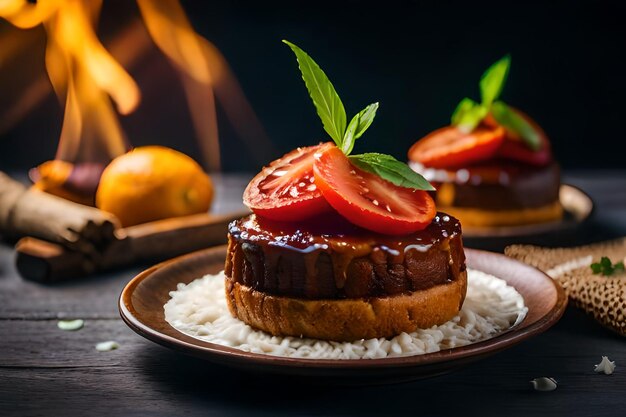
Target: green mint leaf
{"type": "Point", "coordinates": [462, 109]}
{"type": "Point", "coordinates": [606, 267]}
{"type": "Point", "coordinates": [366, 117]}
{"type": "Point", "coordinates": [350, 137]}
{"type": "Point", "coordinates": [389, 168]}
{"type": "Point", "coordinates": [326, 100]}
{"type": "Point", "coordinates": [468, 114]}
{"type": "Point", "coordinates": [512, 120]}
{"type": "Point", "coordinates": [357, 126]}
{"type": "Point", "coordinates": [596, 268]}
{"type": "Point", "coordinates": [492, 80]}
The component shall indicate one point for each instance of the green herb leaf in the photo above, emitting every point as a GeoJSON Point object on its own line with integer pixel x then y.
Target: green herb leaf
{"type": "Point", "coordinates": [357, 126]}
{"type": "Point", "coordinates": [392, 170]}
{"type": "Point", "coordinates": [350, 137]}
{"type": "Point", "coordinates": [492, 81]}
{"type": "Point", "coordinates": [468, 114]}
{"type": "Point", "coordinates": [366, 117]}
{"type": "Point", "coordinates": [511, 120]}
{"type": "Point", "coordinates": [326, 100]}
{"type": "Point", "coordinates": [606, 267]}
{"type": "Point", "coordinates": [464, 106]}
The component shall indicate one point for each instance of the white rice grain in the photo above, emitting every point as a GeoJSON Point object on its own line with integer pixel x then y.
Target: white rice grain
{"type": "Point", "coordinates": [199, 310]}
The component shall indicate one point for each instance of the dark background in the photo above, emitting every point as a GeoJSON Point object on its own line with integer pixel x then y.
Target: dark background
{"type": "Point", "coordinates": [417, 58]}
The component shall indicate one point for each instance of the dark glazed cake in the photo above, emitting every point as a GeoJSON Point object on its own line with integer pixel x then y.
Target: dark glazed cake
{"type": "Point", "coordinates": [342, 246]}
{"type": "Point", "coordinates": [498, 193]}
{"type": "Point", "coordinates": [318, 265]}
{"type": "Point", "coordinates": [493, 165]}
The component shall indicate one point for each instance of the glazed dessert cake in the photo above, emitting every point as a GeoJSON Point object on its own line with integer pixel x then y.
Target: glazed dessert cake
{"type": "Point", "coordinates": [340, 246]}
{"type": "Point", "coordinates": [499, 193]}
{"type": "Point", "coordinates": [493, 166]}
{"type": "Point", "coordinates": [333, 280]}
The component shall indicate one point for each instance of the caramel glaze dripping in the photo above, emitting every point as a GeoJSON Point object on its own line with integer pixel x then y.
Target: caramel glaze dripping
{"type": "Point", "coordinates": [331, 258]}
{"type": "Point", "coordinates": [497, 185]}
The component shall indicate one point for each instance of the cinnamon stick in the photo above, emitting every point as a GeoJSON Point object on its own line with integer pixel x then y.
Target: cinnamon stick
{"type": "Point", "coordinates": [44, 261]}
{"type": "Point", "coordinates": [28, 212]}
{"type": "Point", "coordinates": [149, 242]}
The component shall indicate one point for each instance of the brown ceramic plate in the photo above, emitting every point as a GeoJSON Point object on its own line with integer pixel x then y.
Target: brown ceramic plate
{"type": "Point", "coordinates": [577, 207]}
{"type": "Point", "coordinates": [141, 306]}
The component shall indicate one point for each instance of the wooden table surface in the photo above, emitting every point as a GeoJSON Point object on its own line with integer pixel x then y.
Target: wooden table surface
{"type": "Point", "coordinates": [50, 372]}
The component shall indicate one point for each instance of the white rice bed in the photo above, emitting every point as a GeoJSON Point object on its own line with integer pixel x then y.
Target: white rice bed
{"type": "Point", "coordinates": [199, 309]}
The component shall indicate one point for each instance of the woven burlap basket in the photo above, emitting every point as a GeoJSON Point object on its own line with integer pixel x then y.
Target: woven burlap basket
{"type": "Point", "coordinates": [602, 296]}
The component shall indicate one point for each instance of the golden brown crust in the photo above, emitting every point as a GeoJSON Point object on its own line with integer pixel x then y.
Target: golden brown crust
{"type": "Point", "coordinates": [348, 319]}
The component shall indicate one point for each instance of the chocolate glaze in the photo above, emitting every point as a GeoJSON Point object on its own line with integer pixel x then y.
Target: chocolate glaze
{"type": "Point", "coordinates": [500, 185]}
{"type": "Point", "coordinates": [331, 258]}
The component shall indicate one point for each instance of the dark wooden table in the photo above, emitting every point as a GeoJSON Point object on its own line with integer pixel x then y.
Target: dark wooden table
{"type": "Point", "coordinates": [47, 371]}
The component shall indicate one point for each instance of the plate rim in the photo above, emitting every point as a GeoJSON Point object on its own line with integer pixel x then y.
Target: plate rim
{"type": "Point", "coordinates": [279, 364]}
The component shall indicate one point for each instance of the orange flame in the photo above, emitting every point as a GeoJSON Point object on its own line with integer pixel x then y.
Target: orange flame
{"type": "Point", "coordinates": [83, 73]}
{"type": "Point", "coordinates": [81, 69]}
{"type": "Point", "coordinates": [205, 75]}
{"type": "Point", "coordinates": [26, 15]}
{"type": "Point", "coordinates": [171, 31]}
{"type": "Point", "coordinates": [87, 78]}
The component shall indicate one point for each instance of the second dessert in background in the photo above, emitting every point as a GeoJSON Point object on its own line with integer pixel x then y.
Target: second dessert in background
{"type": "Point", "coordinates": [493, 166]}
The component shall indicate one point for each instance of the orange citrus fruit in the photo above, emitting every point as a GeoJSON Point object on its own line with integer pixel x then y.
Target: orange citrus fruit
{"type": "Point", "coordinates": [152, 183]}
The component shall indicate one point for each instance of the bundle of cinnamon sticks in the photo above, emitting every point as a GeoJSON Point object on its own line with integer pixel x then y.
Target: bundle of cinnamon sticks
{"type": "Point", "coordinates": [59, 239]}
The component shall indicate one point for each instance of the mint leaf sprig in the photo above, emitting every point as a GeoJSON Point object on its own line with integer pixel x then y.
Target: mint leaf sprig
{"type": "Point", "coordinates": [391, 169]}
{"type": "Point", "coordinates": [606, 267]}
{"type": "Point", "coordinates": [331, 111]}
{"type": "Point", "coordinates": [468, 113]}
